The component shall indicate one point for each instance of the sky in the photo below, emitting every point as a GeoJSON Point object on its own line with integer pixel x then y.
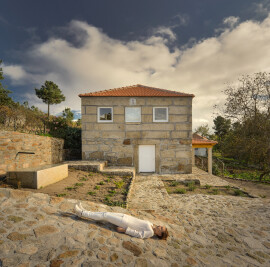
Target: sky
{"type": "Point", "coordinates": [84, 46]}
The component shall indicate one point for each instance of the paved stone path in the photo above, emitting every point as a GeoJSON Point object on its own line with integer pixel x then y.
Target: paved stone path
{"type": "Point", "coordinates": [148, 191]}
{"type": "Point", "coordinates": [204, 231]}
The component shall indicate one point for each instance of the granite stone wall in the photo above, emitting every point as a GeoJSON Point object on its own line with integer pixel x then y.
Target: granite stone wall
{"type": "Point", "coordinates": [118, 141]}
{"type": "Point", "coordinates": [21, 150]}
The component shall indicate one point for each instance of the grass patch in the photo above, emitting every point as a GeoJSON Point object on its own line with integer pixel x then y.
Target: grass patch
{"type": "Point", "coordinates": [79, 184]}
{"type": "Point", "coordinates": [101, 183]}
{"type": "Point", "coordinates": [191, 186]}
{"type": "Point", "coordinates": [70, 188]}
{"type": "Point", "coordinates": [238, 192]}
{"type": "Point", "coordinates": [215, 191]}
{"type": "Point", "coordinates": [174, 183]}
{"type": "Point", "coordinates": [61, 195]}
{"type": "Point", "coordinates": [91, 193]}
{"type": "Point", "coordinates": [119, 184]}
{"type": "Point", "coordinates": [207, 186]}
{"type": "Point", "coordinates": [97, 187]}
{"type": "Point", "coordinates": [83, 179]}
{"type": "Point", "coordinates": [180, 191]}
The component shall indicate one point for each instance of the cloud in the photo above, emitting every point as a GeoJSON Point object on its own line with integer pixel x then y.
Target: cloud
{"type": "Point", "coordinates": [100, 62]}
{"type": "Point", "coordinates": [181, 19]}
{"type": "Point", "coordinates": [3, 20]}
{"type": "Point", "coordinates": [231, 21]}
{"type": "Point", "coordinates": [262, 8]}
{"type": "Point", "coordinates": [165, 31]}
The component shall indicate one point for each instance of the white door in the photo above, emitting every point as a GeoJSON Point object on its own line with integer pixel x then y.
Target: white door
{"type": "Point", "coordinates": [147, 158]}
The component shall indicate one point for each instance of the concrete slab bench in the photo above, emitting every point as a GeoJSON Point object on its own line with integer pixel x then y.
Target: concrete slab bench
{"type": "Point", "coordinates": [38, 177]}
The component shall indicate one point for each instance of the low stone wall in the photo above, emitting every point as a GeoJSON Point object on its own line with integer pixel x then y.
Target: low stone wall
{"type": "Point", "coordinates": [21, 150]}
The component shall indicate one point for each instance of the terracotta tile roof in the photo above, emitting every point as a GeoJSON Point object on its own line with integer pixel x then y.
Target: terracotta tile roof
{"type": "Point", "coordinates": [200, 140]}
{"type": "Point", "coordinates": [137, 90]}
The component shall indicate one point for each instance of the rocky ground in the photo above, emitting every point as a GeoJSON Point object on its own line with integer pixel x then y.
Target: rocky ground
{"type": "Point", "coordinates": [40, 230]}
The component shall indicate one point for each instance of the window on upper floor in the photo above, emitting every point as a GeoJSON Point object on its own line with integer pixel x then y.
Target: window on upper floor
{"type": "Point", "coordinates": [160, 114]}
{"type": "Point", "coordinates": [133, 114]}
{"type": "Point", "coordinates": [105, 114]}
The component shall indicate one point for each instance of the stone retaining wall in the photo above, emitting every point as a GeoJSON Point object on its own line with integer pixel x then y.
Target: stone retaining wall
{"type": "Point", "coordinates": [117, 142]}
{"type": "Point", "coordinates": [21, 150]}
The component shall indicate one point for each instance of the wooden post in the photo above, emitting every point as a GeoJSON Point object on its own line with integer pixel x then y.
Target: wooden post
{"type": "Point", "coordinates": [209, 160]}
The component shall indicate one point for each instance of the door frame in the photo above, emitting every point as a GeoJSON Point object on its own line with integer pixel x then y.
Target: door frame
{"type": "Point", "coordinates": [157, 153]}
{"type": "Point", "coordinates": [147, 161]}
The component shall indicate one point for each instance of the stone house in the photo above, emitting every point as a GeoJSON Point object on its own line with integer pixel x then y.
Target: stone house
{"type": "Point", "coordinates": [140, 126]}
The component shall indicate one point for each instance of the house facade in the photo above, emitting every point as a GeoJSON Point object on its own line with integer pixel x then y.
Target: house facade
{"type": "Point", "coordinates": [140, 126]}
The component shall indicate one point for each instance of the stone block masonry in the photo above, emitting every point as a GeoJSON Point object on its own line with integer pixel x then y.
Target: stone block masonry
{"type": "Point", "coordinates": [117, 142]}
{"type": "Point", "coordinates": [21, 150]}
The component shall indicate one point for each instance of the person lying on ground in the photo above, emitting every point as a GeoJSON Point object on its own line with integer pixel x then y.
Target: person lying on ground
{"type": "Point", "coordinates": [125, 223]}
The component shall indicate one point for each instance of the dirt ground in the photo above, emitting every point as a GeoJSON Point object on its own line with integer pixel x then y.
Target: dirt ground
{"type": "Point", "coordinates": [174, 187]}
{"type": "Point", "coordinates": [96, 187]}
{"type": "Point", "coordinates": [253, 188]}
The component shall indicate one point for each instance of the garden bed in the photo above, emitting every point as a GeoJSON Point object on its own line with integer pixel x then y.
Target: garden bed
{"type": "Point", "coordinates": [175, 187]}
{"type": "Point", "coordinates": [89, 186]}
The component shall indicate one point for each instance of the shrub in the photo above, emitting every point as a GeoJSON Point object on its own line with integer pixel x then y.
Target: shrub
{"type": "Point", "coordinates": [70, 188]}
{"type": "Point", "coordinates": [97, 187]}
{"type": "Point", "coordinates": [124, 192]}
{"type": "Point", "coordinates": [119, 184]}
{"type": "Point", "coordinates": [180, 191]}
{"type": "Point", "coordinates": [61, 195]}
{"type": "Point", "coordinates": [191, 186]}
{"type": "Point", "coordinates": [238, 192]}
{"type": "Point", "coordinates": [174, 183]}
{"type": "Point", "coordinates": [91, 193]}
{"type": "Point", "coordinates": [207, 186]}
{"type": "Point", "coordinates": [79, 184]}
{"type": "Point", "coordinates": [215, 191]}
{"type": "Point", "coordinates": [101, 183]}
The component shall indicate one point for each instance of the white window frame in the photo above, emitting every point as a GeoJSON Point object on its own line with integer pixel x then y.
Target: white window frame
{"type": "Point", "coordinates": [104, 121]}
{"type": "Point", "coordinates": [167, 117]}
{"type": "Point", "coordinates": [132, 108]}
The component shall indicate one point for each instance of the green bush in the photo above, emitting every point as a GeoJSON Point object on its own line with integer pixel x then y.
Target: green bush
{"type": "Point", "coordinates": [174, 183]}
{"type": "Point", "coordinates": [207, 186]}
{"type": "Point", "coordinates": [91, 193]}
{"type": "Point", "coordinates": [79, 184]}
{"type": "Point", "coordinates": [119, 184]}
{"type": "Point", "coordinates": [180, 191]}
{"type": "Point", "coordinates": [191, 186]}
{"type": "Point", "coordinates": [238, 192]}
{"type": "Point", "coordinates": [215, 191]}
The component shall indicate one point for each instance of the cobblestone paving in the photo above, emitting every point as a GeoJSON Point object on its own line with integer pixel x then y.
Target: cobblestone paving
{"type": "Point", "coordinates": [148, 192]}
{"type": "Point", "coordinates": [204, 231]}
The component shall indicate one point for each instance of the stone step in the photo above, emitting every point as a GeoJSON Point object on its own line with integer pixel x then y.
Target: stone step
{"type": "Point", "coordinates": [86, 165]}
{"type": "Point", "coordinates": [121, 171]}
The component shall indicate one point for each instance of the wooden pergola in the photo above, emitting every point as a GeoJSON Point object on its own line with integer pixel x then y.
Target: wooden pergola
{"type": "Point", "coordinates": [202, 142]}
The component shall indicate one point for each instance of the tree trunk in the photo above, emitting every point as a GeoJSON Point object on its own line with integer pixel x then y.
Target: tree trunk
{"type": "Point", "coordinates": [48, 111]}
